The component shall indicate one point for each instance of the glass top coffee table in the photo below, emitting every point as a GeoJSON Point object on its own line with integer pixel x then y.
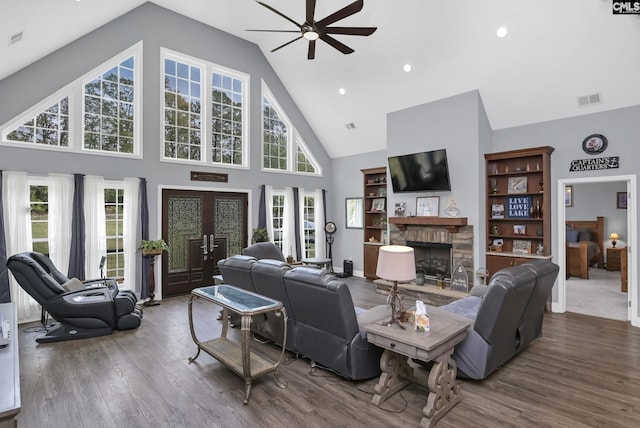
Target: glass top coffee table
{"type": "Point", "coordinates": [238, 356]}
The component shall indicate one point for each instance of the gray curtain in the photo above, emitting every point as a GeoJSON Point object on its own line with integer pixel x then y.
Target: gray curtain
{"type": "Point", "coordinates": [296, 222]}
{"type": "Point", "coordinates": [144, 226]}
{"type": "Point", "coordinates": [76, 253]}
{"type": "Point", "coordinates": [262, 209]}
{"type": "Point", "coordinates": [5, 291]}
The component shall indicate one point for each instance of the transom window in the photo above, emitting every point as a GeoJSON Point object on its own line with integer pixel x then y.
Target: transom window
{"type": "Point", "coordinates": [182, 111]}
{"type": "Point", "coordinates": [109, 109]}
{"type": "Point", "coordinates": [282, 147]}
{"type": "Point", "coordinates": [97, 113]}
{"type": "Point", "coordinates": [198, 93]}
{"type": "Point", "coordinates": [50, 127]}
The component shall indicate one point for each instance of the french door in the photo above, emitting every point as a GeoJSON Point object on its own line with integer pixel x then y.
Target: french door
{"type": "Point", "coordinates": [201, 228]}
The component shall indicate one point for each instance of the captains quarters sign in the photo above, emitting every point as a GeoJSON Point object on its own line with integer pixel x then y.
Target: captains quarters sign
{"type": "Point", "coordinates": [595, 164]}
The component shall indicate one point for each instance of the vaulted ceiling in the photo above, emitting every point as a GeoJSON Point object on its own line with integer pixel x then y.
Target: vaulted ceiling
{"type": "Point", "coordinates": [554, 53]}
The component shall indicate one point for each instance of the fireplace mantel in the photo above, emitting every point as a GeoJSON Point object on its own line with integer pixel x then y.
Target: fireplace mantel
{"type": "Point", "coordinates": [451, 223]}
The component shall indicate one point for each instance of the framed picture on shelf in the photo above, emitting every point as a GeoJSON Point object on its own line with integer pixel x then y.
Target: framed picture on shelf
{"type": "Point", "coordinates": [497, 211]}
{"type": "Point", "coordinates": [428, 206]}
{"type": "Point", "coordinates": [401, 209]}
{"type": "Point", "coordinates": [517, 185]}
{"type": "Point", "coordinates": [519, 229]}
{"type": "Point", "coordinates": [377, 204]}
{"type": "Point", "coordinates": [521, 246]}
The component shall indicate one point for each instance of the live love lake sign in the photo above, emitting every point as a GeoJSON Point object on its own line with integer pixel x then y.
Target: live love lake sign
{"type": "Point", "coordinates": [518, 206]}
{"type": "Point", "coordinates": [595, 164]}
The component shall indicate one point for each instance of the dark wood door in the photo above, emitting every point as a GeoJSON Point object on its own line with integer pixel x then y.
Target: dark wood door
{"type": "Point", "coordinates": [201, 228]}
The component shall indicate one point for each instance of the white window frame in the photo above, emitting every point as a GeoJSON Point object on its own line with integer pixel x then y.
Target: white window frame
{"type": "Point", "coordinates": [119, 185]}
{"type": "Point", "coordinates": [303, 210]}
{"type": "Point", "coordinates": [279, 243]}
{"type": "Point", "coordinates": [293, 138]}
{"type": "Point", "coordinates": [42, 182]}
{"type": "Point", "coordinates": [207, 68]}
{"type": "Point", "coordinates": [75, 92]}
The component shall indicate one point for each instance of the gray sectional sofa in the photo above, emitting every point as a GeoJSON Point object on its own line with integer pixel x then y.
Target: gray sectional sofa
{"type": "Point", "coordinates": [323, 324]}
{"type": "Point", "coordinates": [507, 314]}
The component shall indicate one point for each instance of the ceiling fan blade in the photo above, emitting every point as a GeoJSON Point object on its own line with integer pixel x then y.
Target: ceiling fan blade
{"type": "Point", "coordinates": [279, 13]}
{"type": "Point", "coordinates": [348, 10]}
{"type": "Point", "coordinates": [276, 31]}
{"type": "Point", "coordinates": [336, 44]}
{"type": "Point", "coordinates": [311, 10]}
{"type": "Point", "coordinates": [312, 49]}
{"type": "Point", "coordinates": [288, 43]}
{"type": "Point", "coordinates": [352, 31]}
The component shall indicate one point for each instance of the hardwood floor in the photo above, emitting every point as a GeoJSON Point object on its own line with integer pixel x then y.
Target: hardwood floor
{"type": "Point", "coordinates": [584, 371]}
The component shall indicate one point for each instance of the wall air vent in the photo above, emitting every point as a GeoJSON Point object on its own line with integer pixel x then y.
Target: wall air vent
{"type": "Point", "coordinates": [15, 38]}
{"type": "Point", "coordinates": [350, 125]}
{"type": "Point", "coordinates": [587, 100]}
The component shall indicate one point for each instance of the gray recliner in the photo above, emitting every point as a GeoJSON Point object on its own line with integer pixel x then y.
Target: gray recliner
{"type": "Point", "coordinates": [95, 309]}
{"type": "Point", "coordinates": [264, 250]}
{"type": "Point", "coordinates": [530, 326]}
{"type": "Point", "coordinates": [327, 329]}
{"type": "Point", "coordinates": [494, 337]}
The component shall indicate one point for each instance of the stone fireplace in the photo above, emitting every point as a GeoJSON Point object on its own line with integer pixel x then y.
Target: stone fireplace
{"type": "Point", "coordinates": [452, 234]}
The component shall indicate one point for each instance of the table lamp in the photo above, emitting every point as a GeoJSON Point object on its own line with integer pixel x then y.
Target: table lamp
{"type": "Point", "coordinates": [614, 237]}
{"type": "Point", "coordinates": [396, 263]}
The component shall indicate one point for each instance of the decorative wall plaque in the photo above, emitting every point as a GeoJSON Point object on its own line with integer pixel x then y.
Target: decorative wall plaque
{"type": "Point", "coordinates": [209, 176]}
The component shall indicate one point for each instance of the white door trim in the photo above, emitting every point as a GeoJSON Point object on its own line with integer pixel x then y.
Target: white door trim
{"type": "Point", "coordinates": [561, 304]}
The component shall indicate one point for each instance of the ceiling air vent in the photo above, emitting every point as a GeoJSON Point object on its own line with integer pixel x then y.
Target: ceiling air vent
{"type": "Point", "coordinates": [15, 38]}
{"type": "Point", "coordinates": [350, 126]}
{"type": "Point", "coordinates": [587, 100]}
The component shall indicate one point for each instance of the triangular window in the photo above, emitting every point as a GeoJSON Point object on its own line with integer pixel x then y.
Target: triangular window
{"type": "Point", "coordinates": [49, 126]}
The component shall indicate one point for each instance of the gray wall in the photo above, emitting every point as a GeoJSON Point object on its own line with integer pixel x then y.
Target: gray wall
{"type": "Point", "coordinates": [157, 27]}
{"type": "Point", "coordinates": [347, 181]}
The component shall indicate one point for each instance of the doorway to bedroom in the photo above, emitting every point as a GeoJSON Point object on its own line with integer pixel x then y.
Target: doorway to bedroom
{"type": "Point", "coordinates": [597, 280]}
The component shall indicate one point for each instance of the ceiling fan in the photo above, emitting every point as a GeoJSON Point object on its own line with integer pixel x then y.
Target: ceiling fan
{"type": "Point", "coordinates": [313, 30]}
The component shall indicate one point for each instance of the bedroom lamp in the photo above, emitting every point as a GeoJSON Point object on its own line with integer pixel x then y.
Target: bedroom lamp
{"type": "Point", "coordinates": [614, 237]}
{"type": "Point", "coordinates": [396, 263]}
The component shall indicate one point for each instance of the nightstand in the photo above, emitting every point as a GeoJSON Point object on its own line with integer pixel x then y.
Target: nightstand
{"type": "Point", "coordinates": [614, 256]}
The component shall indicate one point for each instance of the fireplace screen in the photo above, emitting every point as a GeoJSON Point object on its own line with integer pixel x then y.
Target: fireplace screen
{"type": "Point", "coordinates": [433, 258]}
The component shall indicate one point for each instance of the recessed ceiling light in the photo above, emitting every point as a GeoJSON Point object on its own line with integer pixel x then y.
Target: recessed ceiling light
{"type": "Point", "coordinates": [407, 67]}
{"type": "Point", "coordinates": [342, 91]}
{"type": "Point", "coordinates": [502, 32]}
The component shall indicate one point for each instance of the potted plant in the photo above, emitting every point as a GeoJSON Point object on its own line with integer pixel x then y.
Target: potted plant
{"type": "Point", "coordinates": [260, 234]}
{"type": "Point", "coordinates": [153, 247]}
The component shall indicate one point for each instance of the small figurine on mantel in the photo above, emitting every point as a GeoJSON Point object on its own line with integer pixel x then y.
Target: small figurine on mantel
{"type": "Point", "coordinates": [451, 209]}
{"type": "Point", "coordinates": [540, 249]}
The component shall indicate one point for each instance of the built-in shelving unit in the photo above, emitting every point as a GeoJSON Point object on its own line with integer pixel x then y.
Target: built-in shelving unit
{"type": "Point", "coordinates": [518, 226]}
{"type": "Point", "coordinates": [375, 217]}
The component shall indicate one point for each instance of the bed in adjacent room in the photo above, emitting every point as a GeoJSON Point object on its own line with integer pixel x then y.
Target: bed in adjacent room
{"type": "Point", "coordinates": [584, 246]}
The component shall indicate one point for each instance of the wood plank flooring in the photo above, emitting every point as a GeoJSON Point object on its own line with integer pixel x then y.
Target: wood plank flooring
{"type": "Point", "coordinates": [583, 372]}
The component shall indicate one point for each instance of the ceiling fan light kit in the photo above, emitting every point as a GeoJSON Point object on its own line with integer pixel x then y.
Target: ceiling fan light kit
{"type": "Point", "coordinates": [313, 30]}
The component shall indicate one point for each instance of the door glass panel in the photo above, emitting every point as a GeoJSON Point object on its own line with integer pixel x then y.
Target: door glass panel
{"type": "Point", "coordinates": [181, 228]}
{"type": "Point", "coordinates": [229, 223]}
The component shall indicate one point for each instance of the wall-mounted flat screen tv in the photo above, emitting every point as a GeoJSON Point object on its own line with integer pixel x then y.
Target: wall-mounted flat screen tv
{"type": "Point", "coordinates": [425, 171]}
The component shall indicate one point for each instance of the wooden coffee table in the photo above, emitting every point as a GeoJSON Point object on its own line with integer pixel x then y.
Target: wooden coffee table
{"type": "Point", "coordinates": [446, 330]}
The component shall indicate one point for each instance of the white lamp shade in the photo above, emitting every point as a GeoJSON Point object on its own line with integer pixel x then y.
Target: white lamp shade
{"type": "Point", "coordinates": [396, 263]}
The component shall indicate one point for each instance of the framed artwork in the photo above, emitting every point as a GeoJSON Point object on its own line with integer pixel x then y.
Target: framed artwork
{"type": "Point", "coordinates": [621, 200]}
{"type": "Point", "coordinates": [354, 218]}
{"type": "Point", "coordinates": [521, 246]}
{"type": "Point", "coordinates": [401, 209]}
{"type": "Point", "coordinates": [377, 204]}
{"type": "Point", "coordinates": [428, 206]}
{"type": "Point", "coordinates": [568, 196]}
{"type": "Point", "coordinates": [519, 229]}
{"type": "Point", "coordinates": [517, 185]}
{"type": "Point", "coordinates": [594, 144]}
